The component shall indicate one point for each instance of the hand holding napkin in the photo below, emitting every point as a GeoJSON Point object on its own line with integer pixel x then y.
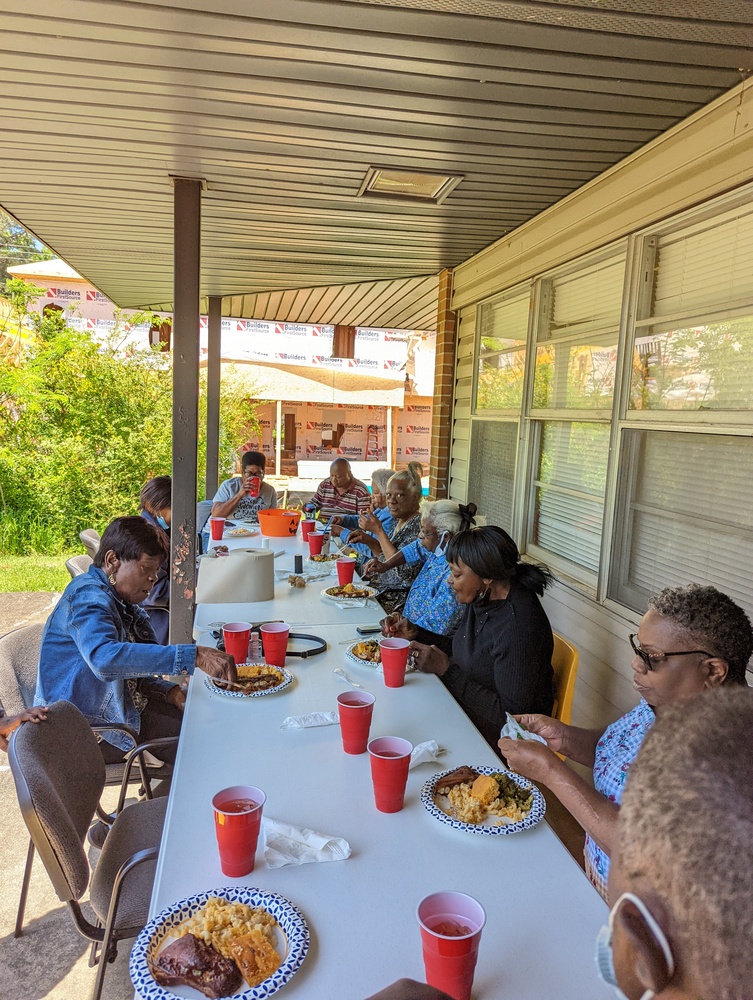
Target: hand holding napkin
{"type": "Point", "coordinates": [310, 720]}
{"type": "Point", "coordinates": [295, 845]}
{"type": "Point", "coordinates": [514, 731]}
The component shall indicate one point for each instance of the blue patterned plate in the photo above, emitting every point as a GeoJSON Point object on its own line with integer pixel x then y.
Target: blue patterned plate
{"type": "Point", "coordinates": [150, 940]}
{"type": "Point", "coordinates": [493, 825]}
{"type": "Point", "coordinates": [229, 693]}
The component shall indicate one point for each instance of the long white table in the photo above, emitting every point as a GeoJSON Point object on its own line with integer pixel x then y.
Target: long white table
{"type": "Point", "coordinates": [543, 914]}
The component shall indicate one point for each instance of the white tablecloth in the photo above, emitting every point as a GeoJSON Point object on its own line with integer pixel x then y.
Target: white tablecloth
{"type": "Point", "coordinates": [543, 914]}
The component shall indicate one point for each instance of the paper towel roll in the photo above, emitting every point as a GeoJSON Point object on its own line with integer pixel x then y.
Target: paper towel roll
{"type": "Point", "coordinates": [243, 576]}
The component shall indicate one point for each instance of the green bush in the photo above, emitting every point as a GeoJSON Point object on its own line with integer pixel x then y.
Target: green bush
{"type": "Point", "coordinates": [82, 426]}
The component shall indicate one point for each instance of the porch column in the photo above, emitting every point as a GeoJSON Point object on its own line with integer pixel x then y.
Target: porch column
{"type": "Point", "coordinates": [388, 431]}
{"type": "Point", "coordinates": [214, 338]}
{"type": "Point", "coordinates": [444, 381]}
{"type": "Point", "coordinates": [186, 257]}
{"type": "Point", "coordinates": [278, 439]}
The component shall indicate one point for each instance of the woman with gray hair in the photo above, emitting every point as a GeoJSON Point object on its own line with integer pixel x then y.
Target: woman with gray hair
{"type": "Point", "coordinates": [690, 640]}
{"type": "Point", "coordinates": [343, 524]}
{"type": "Point", "coordinates": [403, 498]}
{"type": "Point", "coordinates": [432, 612]}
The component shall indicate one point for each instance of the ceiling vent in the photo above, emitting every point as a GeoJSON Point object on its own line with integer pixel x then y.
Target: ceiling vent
{"type": "Point", "coordinates": [408, 185]}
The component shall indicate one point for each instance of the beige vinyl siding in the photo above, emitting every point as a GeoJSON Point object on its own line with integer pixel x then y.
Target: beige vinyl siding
{"type": "Point", "coordinates": [461, 416]}
{"type": "Point", "coordinates": [709, 155]}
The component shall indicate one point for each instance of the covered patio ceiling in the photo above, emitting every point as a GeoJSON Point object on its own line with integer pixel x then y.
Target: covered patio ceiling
{"type": "Point", "coordinates": [283, 105]}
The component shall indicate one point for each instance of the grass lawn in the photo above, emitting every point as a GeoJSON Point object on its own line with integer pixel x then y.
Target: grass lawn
{"type": "Point", "coordinates": [32, 573]}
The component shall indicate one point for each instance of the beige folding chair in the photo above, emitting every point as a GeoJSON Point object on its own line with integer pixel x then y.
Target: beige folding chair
{"type": "Point", "coordinates": [91, 539]}
{"type": "Point", "coordinates": [58, 792]}
{"type": "Point", "coordinates": [77, 565]}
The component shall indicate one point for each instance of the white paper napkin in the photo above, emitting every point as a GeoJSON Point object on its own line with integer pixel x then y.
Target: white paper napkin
{"type": "Point", "coordinates": [296, 845]}
{"type": "Point", "coordinates": [425, 752]}
{"type": "Point", "coordinates": [310, 720]}
{"type": "Point", "coordinates": [514, 731]}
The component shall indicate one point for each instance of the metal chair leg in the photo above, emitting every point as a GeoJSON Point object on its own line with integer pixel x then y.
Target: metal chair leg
{"type": "Point", "coordinates": [24, 891]}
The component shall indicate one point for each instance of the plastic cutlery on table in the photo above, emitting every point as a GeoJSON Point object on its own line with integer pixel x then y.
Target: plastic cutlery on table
{"type": "Point", "coordinates": [344, 677]}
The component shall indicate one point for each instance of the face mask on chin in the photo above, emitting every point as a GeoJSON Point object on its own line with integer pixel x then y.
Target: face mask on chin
{"type": "Point", "coordinates": [604, 956]}
{"type": "Point", "coordinates": [440, 549]}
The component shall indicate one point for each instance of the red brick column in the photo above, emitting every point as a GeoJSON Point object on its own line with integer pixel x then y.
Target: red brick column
{"type": "Point", "coordinates": [444, 380]}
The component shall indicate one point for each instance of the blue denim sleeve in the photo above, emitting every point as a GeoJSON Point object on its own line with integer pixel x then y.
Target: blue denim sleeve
{"type": "Point", "coordinates": [94, 629]}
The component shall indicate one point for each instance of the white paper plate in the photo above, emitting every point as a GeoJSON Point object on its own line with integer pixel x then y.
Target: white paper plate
{"type": "Point", "coordinates": [158, 932]}
{"type": "Point", "coordinates": [492, 825]}
{"type": "Point", "coordinates": [230, 693]}
{"type": "Point", "coordinates": [344, 597]}
{"type": "Point", "coordinates": [357, 659]}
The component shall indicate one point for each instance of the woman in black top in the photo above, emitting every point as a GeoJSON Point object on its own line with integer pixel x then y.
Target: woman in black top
{"type": "Point", "coordinates": [502, 650]}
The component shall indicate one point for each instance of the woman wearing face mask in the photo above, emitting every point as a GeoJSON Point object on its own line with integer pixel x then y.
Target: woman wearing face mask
{"type": "Point", "coordinates": [690, 639]}
{"type": "Point", "coordinates": [156, 508]}
{"type": "Point", "coordinates": [99, 650]}
{"type": "Point", "coordinates": [432, 611]}
{"type": "Point", "coordinates": [502, 649]}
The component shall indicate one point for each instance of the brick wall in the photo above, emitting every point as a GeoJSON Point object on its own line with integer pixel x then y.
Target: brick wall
{"type": "Point", "coordinates": [439, 474]}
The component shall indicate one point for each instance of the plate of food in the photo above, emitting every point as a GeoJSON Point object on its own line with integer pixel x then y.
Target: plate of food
{"type": "Point", "coordinates": [486, 800]}
{"type": "Point", "coordinates": [254, 681]}
{"type": "Point", "coordinates": [365, 653]}
{"type": "Point", "coordinates": [236, 942]}
{"type": "Point", "coordinates": [239, 532]}
{"type": "Point", "coordinates": [350, 592]}
{"type": "Point", "coordinates": [323, 558]}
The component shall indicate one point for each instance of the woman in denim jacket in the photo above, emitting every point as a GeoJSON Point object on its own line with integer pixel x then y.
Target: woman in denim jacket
{"type": "Point", "coordinates": [99, 650]}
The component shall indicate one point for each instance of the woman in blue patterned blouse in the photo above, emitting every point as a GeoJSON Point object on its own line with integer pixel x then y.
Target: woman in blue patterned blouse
{"type": "Point", "coordinates": [711, 641]}
{"type": "Point", "coordinates": [432, 611]}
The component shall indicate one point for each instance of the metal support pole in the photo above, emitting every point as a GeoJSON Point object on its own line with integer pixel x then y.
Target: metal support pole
{"type": "Point", "coordinates": [186, 256]}
{"type": "Point", "coordinates": [214, 341]}
{"type": "Point", "coordinates": [278, 444]}
{"type": "Point", "coordinates": [389, 438]}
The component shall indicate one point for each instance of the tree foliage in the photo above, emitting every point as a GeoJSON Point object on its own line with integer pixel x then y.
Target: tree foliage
{"type": "Point", "coordinates": [83, 424]}
{"type": "Point", "coordinates": [17, 246]}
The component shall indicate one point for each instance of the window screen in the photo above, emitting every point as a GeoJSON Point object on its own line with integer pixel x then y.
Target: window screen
{"type": "Point", "coordinates": [491, 476]}
{"type": "Point", "coordinates": [503, 327]}
{"type": "Point", "coordinates": [569, 491]}
{"type": "Point", "coordinates": [684, 515]}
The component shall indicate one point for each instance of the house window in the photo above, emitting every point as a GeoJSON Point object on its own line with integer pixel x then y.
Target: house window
{"type": "Point", "coordinates": [491, 471]}
{"type": "Point", "coordinates": [502, 335]}
{"type": "Point", "coordinates": [571, 405]}
{"type": "Point", "coordinates": [685, 516]}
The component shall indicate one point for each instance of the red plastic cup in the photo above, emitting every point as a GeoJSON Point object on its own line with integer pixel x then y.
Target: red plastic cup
{"type": "Point", "coordinates": [274, 637]}
{"type": "Point", "coordinates": [390, 757]}
{"type": "Point", "coordinates": [394, 660]}
{"type": "Point", "coordinates": [216, 528]}
{"type": "Point", "coordinates": [254, 485]}
{"type": "Point", "coordinates": [451, 925]}
{"type": "Point", "coordinates": [237, 818]}
{"type": "Point", "coordinates": [345, 570]}
{"type": "Point", "coordinates": [316, 541]}
{"type": "Point", "coordinates": [307, 527]}
{"type": "Point", "coordinates": [237, 636]}
{"type": "Point", "coordinates": [355, 709]}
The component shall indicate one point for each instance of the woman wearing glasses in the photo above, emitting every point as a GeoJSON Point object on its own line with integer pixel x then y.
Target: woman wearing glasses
{"type": "Point", "coordinates": [403, 498]}
{"type": "Point", "coordinates": [690, 639]}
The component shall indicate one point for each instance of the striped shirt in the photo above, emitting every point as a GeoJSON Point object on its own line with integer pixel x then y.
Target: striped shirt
{"type": "Point", "coordinates": [355, 500]}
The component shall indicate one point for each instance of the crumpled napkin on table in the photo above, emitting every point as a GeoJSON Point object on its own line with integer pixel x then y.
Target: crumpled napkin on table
{"type": "Point", "coordinates": [296, 845]}
{"type": "Point", "coordinates": [424, 753]}
{"type": "Point", "coordinates": [514, 731]}
{"type": "Point", "coordinates": [310, 720]}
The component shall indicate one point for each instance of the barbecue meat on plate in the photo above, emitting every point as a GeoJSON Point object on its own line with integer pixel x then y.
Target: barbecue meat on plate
{"type": "Point", "coordinates": [190, 962]}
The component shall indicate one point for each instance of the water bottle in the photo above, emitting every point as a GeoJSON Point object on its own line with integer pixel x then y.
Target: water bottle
{"type": "Point", "coordinates": [254, 652]}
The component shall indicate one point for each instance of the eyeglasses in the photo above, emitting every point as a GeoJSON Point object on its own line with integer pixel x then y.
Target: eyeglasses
{"type": "Point", "coordinates": [427, 532]}
{"type": "Point", "coordinates": [654, 659]}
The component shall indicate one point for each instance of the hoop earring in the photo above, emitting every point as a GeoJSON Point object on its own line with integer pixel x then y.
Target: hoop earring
{"type": "Point", "coordinates": [483, 594]}
{"type": "Point", "coordinates": [111, 579]}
